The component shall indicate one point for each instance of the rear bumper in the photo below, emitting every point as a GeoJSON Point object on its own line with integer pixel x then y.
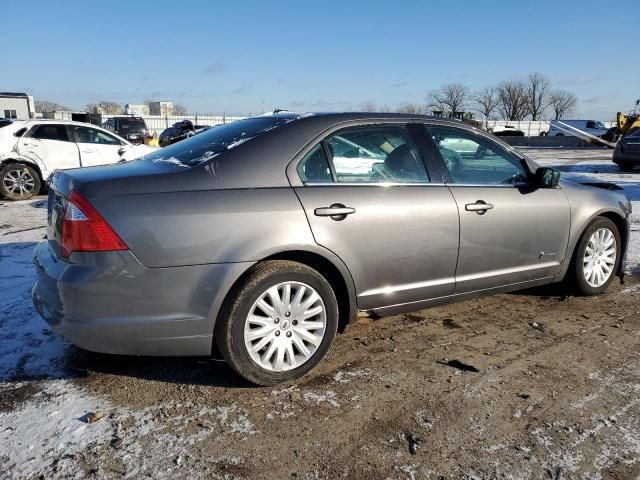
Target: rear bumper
{"type": "Point", "coordinates": [110, 303]}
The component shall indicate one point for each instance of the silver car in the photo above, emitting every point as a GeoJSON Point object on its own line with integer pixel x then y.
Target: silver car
{"type": "Point", "coordinates": [262, 238]}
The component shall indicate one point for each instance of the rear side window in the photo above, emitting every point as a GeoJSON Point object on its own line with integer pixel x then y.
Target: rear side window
{"type": "Point", "coordinates": [206, 145]}
{"type": "Point", "coordinates": [51, 132]}
{"type": "Point", "coordinates": [314, 167]}
{"type": "Point", "coordinates": [376, 154]}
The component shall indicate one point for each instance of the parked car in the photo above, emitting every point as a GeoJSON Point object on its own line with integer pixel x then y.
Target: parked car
{"type": "Point", "coordinates": [179, 131]}
{"type": "Point", "coordinates": [31, 149]}
{"type": "Point", "coordinates": [134, 129]}
{"type": "Point", "coordinates": [507, 131]}
{"type": "Point", "coordinates": [251, 240]}
{"type": "Point", "coordinates": [627, 152]}
{"type": "Point", "coordinates": [557, 128]}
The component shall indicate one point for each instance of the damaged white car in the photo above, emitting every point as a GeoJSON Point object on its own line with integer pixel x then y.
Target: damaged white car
{"type": "Point", "coordinates": [30, 150]}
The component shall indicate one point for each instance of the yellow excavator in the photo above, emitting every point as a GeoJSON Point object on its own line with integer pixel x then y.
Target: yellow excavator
{"type": "Point", "coordinates": [627, 124]}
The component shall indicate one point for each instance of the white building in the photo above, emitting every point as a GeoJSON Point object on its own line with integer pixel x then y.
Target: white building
{"type": "Point", "coordinates": [161, 108]}
{"type": "Point", "coordinates": [17, 105]}
{"type": "Point", "coordinates": [136, 109]}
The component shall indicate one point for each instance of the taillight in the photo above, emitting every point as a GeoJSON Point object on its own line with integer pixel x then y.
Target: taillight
{"type": "Point", "coordinates": [84, 230]}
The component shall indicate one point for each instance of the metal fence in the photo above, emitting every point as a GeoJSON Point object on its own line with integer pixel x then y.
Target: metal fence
{"type": "Point", "coordinates": [530, 128]}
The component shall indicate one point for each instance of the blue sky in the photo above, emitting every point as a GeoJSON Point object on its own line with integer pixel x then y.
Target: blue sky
{"type": "Point", "coordinates": [241, 57]}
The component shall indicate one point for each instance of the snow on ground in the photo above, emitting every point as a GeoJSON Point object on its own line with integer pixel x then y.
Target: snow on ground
{"type": "Point", "coordinates": [30, 349]}
{"type": "Point", "coordinates": [36, 436]}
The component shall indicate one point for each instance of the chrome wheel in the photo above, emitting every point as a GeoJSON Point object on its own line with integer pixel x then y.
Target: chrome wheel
{"type": "Point", "coordinates": [19, 182]}
{"type": "Point", "coordinates": [599, 257]}
{"type": "Point", "coordinates": [285, 326]}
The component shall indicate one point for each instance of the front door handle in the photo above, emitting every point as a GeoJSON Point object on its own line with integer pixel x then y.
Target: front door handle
{"type": "Point", "coordinates": [336, 211]}
{"type": "Point", "coordinates": [480, 207]}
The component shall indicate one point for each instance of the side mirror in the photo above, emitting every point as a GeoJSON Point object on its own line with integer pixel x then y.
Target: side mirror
{"type": "Point", "coordinates": [121, 151]}
{"type": "Point", "coordinates": [546, 177]}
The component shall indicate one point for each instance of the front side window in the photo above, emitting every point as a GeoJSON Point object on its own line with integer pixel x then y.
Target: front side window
{"type": "Point", "coordinates": [91, 135]}
{"type": "Point", "coordinates": [472, 159]}
{"type": "Point", "coordinates": [51, 132]}
{"type": "Point", "coordinates": [375, 154]}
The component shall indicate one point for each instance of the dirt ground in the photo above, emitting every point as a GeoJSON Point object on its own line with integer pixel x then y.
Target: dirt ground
{"type": "Point", "coordinates": [535, 384]}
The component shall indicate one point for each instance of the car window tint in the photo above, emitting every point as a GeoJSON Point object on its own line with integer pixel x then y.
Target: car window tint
{"type": "Point", "coordinates": [91, 135]}
{"type": "Point", "coordinates": [314, 167]}
{"type": "Point", "coordinates": [51, 132]}
{"type": "Point", "coordinates": [472, 159]}
{"type": "Point", "coordinates": [376, 154]}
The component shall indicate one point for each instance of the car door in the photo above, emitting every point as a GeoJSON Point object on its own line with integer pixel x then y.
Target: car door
{"type": "Point", "coordinates": [510, 231]}
{"type": "Point", "coordinates": [50, 143]}
{"type": "Point", "coordinates": [96, 146]}
{"type": "Point", "coordinates": [368, 199]}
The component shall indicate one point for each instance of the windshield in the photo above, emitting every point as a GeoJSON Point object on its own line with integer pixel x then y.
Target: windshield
{"type": "Point", "coordinates": [636, 133]}
{"type": "Point", "coordinates": [599, 124]}
{"type": "Point", "coordinates": [208, 144]}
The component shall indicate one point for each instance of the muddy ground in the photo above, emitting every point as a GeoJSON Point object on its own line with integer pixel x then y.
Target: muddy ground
{"type": "Point", "coordinates": [535, 384]}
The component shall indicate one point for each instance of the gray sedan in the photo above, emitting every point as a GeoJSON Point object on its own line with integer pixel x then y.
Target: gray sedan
{"type": "Point", "coordinates": [262, 238]}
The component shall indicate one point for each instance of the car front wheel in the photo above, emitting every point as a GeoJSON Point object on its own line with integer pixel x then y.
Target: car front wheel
{"type": "Point", "coordinates": [279, 324]}
{"type": "Point", "coordinates": [597, 257]}
{"type": "Point", "coordinates": [19, 181]}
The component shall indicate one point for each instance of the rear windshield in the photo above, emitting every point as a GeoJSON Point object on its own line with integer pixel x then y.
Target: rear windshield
{"type": "Point", "coordinates": [132, 124]}
{"type": "Point", "coordinates": [208, 144]}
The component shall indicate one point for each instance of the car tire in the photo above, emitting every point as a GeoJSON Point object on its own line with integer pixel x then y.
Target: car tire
{"type": "Point", "coordinates": [581, 264]}
{"type": "Point", "coordinates": [293, 344]}
{"type": "Point", "coordinates": [19, 181]}
{"type": "Point", "coordinates": [626, 167]}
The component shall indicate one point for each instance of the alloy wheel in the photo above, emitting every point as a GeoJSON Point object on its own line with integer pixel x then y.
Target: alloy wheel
{"type": "Point", "coordinates": [599, 257]}
{"type": "Point", "coordinates": [19, 182]}
{"type": "Point", "coordinates": [285, 326]}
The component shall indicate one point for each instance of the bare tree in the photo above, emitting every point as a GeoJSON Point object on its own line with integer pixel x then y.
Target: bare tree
{"type": "Point", "coordinates": [562, 103]}
{"type": "Point", "coordinates": [411, 108]}
{"type": "Point", "coordinates": [106, 107]}
{"type": "Point", "coordinates": [536, 91]}
{"type": "Point", "coordinates": [486, 101]}
{"type": "Point", "coordinates": [451, 98]}
{"type": "Point", "coordinates": [47, 106]}
{"type": "Point", "coordinates": [511, 100]}
{"type": "Point", "coordinates": [385, 108]}
{"type": "Point", "coordinates": [368, 107]}
{"type": "Point", "coordinates": [179, 109]}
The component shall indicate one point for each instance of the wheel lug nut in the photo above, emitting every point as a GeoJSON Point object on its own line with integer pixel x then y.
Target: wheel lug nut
{"type": "Point", "coordinates": [288, 334]}
{"type": "Point", "coordinates": [295, 322]}
{"type": "Point", "coordinates": [277, 320]}
{"type": "Point", "coordinates": [288, 314]}
{"type": "Point", "coordinates": [277, 333]}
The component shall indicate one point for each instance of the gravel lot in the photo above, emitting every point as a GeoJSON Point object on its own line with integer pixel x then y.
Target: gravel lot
{"type": "Point", "coordinates": [546, 386]}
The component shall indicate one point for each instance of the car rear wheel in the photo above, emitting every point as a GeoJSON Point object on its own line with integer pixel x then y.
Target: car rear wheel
{"type": "Point", "coordinates": [19, 181]}
{"type": "Point", "coordinates": [279, 324]}
{"type": "Point", "coordinates": [597, 257]}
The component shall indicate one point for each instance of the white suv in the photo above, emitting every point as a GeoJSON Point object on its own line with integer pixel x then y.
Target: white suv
{"type": "Point", "coordinates": [31, 149]}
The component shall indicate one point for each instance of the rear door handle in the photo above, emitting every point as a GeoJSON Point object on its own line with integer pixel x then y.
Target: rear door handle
{"type": "Point", "coordinates": [87, 150]}
{"type": "Point", "coordinates": [480, 207]}
{"type": "Point", "coordinates": [336, 211]}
